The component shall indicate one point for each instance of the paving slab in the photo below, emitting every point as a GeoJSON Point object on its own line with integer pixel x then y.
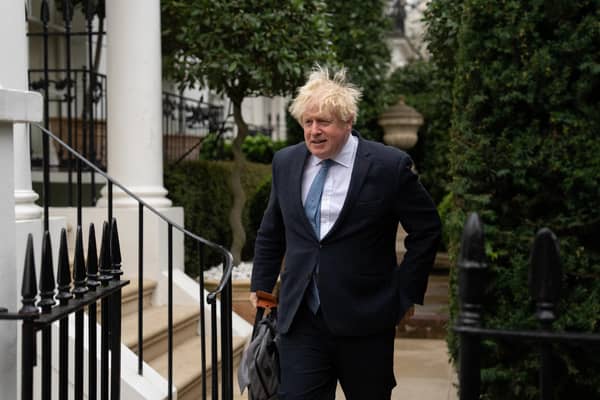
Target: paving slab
{"type": "Point", "coordinates": [422, 369]}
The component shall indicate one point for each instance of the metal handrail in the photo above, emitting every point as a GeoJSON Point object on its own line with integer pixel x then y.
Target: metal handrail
{"type": "Point", "coordinates": [223, 288]}
{"type": "Point", "coordinates": [219, 248]}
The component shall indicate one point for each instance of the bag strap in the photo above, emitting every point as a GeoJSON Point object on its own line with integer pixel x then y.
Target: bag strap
{"type": "Point", "coordinates": [264, 301]}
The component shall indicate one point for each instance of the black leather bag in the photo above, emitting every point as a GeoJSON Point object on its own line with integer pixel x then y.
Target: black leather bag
{"type": "Point", "coordinates": [259, 368]}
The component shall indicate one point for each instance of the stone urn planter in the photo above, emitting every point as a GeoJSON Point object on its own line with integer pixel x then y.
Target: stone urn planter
{"type": "Point", "coordinates": [400, 124]}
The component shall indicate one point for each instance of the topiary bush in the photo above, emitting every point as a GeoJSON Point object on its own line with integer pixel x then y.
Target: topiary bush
{"type": "Point", "coordinates": [524, 154]}
{"type": "Point", "coordinates": [202, 189]}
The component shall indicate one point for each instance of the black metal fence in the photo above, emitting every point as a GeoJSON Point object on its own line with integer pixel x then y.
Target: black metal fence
{"type": "Point", "coordinates": [545, 277]}
{"type": "Point", "coordinates": [222, 292]}
{"type": "Point", "coordinates": [78, 96]}
{"type": "Point", "coordinates": [75, 100]}
{"type": "Point", "coordinates": [186, 122]}
{"type": "Point", "coordinates": [67, 92]}
{"type": "Point", "coordinates": [81, 93]}
{"type": "Point", "coordinates": [56, 301]}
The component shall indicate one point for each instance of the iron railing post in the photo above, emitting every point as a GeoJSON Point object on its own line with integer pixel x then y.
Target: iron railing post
{"type": "Point", "coordinates": [116, 272]}
{"type": "Point", "coordinates": [64, 296]}
{"type": "Point", "coordinates": [28, 343]}
{"type": "Point", "coordinates": [472, 268]}
{"type": "Point", "coordinates": [80, 289]}
{"type": "Point", "coordinates": [214, 349]}
{"type": "Point", "coordinates": [93, 283]}
{"type": "Point", "coordinates": [201, 254]}
{"type": "Point", "coordinates": [140, 347]}
{"type": "Point", "coordinates": [226, 340]}
{"type": "Point", "coordinates": [544, 283]}
{"type": "Point", "coordinates": [170, 310]}
{"type": "Point", "coordinates": [45, 14]}
{"type": "Point", "coordinates": [68, 17]}
{"type": "Point", "coordinates": [47, 288]}
{"type": "Point", "coordinates": [89, 16]}
{"type": "Point", "coordinates": [105, 278]}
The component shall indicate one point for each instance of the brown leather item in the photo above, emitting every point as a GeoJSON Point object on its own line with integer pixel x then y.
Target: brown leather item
{"type": "Point", "coordinates": [265, 300]}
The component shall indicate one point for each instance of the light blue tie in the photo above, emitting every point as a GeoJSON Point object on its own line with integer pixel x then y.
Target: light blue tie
{"type": "Point", "coordinates": [312, 207]}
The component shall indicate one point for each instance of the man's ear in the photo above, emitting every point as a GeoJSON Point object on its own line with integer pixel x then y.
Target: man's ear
{"type": "Point", "coordinates": [349, 122]}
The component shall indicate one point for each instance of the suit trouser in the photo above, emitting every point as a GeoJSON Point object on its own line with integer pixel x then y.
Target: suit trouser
{"type": "Point", "coordinates": [313, 360]}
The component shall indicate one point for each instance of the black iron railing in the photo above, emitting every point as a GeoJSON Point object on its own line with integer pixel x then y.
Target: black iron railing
{"type": "Point", "coordinates": [65, 297]}
{"type": "Point", "coordinates": [78, 94]}
{"type": "Point", "coordinates": [223, 290]}
{"type": "Point", "coordinates": [545, 278]}
{"type": "Point", "coordinates": [186, 122]}
{"type": "Point", "coordinates": [68, 89]}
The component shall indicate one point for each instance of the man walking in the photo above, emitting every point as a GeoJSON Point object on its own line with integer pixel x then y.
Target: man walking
{"type": "Point", "coordinates": [336, 201]}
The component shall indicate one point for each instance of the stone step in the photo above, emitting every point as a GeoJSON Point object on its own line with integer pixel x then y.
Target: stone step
{"type": "Point", "coordinates": [186, 342]}
{"type": "Point", "coordinates": [129, 297]}
{"type": "Point", "coordinates": [187, 366]}
{"type": "Point", "coordinates": [442, 261]}
{"type": "Point", "coordinates": [437, 290]}
{"type": "Point", "coordinates": [155, 336]}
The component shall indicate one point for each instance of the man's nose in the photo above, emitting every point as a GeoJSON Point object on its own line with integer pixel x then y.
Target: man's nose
{"type": "Point", "coordinates": [314, 128]}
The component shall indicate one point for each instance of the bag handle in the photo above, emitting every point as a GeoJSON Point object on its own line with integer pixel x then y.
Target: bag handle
{"type": "Point", "coordinates": [264, 301]}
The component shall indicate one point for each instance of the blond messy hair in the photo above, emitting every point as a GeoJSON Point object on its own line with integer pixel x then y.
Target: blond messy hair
{"type": "Point", "coordinates": [330, 94]}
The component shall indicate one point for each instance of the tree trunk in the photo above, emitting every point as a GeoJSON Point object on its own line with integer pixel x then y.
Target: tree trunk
{"type": "Point", "coordinates": [239, 197]}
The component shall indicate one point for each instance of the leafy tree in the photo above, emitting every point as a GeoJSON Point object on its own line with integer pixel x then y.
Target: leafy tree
{"type": "Point", "coordinates": [524, 154]}
{"type": "Point", "coordinates": [244, 48]}
{"type": "Point", "coordinates": [359, 34]}
{"type": "Point", "coordinates": [359, 39]}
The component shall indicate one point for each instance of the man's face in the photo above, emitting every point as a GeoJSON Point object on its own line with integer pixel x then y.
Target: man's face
{"type": "Point", "coordinates": [324, 134]}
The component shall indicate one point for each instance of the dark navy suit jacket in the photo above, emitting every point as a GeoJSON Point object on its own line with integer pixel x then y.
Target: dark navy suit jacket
{"type": "Point", "coordinates": [361, 288]}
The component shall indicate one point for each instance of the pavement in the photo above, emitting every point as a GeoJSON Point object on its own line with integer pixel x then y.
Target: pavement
{"type": "Point", "coordinates": [422, 370]}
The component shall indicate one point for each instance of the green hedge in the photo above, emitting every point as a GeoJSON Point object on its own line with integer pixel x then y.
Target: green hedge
{"type": "Point", "coordinates": [524, 154]}
{"type": "Point", "coordinates": [202, 189]}
{"type": "Point", "coordinates": [258, 148]}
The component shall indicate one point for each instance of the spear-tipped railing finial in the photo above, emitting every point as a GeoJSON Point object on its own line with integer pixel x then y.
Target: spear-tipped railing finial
{"type": "Point", "coordinates": [29, 285]}
{"type": "Point", "coordinates": [47, 284]}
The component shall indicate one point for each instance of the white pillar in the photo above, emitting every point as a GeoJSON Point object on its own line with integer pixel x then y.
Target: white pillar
{"type": "Point", "coordinates": [14, 106]}
{"type": "Point", "coordinates": [135, 100]}
{"type": "Point", "coordinates": [14, 75]}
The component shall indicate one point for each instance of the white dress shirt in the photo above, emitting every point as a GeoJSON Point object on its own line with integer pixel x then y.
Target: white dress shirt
{"type": "Point", "coordinates": [336, 183]}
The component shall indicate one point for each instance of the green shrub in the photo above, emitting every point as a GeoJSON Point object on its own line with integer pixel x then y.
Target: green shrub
{"type": "Point", "coordinates": [202, 189]}
{"type": "Point", "coordinates": [256, 207]}
{"type": "Point", "coordinates": [524, 154]}
{"type": "Point", "coordinates": [215, 147]}
{"type": "Point", "coordinates": [260, 148]}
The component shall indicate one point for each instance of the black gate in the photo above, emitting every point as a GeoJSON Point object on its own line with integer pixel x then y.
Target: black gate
{"type": "Point", "coordinates": [544, 283]}
{"type": "Point", "coordinates": [98, 281]}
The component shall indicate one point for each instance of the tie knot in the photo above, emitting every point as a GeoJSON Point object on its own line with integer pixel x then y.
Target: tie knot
{"type": "Point", "coordinates": [325, 164]}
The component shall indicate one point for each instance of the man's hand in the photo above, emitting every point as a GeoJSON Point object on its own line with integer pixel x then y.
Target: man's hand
{"type": "Point", "coordinates": [409, 313]}
{"type": "Point", "coordinates": [253, 299]}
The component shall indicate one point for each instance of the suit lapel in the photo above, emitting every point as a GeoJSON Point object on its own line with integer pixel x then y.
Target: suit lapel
{"type": "Point", "coordinates": [297, 165]}
{"type": "Point", "coordinates": [362, 163]}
